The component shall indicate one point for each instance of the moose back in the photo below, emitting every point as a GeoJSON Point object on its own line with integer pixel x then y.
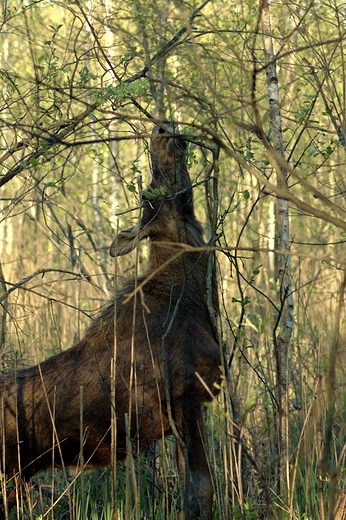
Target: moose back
{"type": "Point", "coordinates": [167, 355]}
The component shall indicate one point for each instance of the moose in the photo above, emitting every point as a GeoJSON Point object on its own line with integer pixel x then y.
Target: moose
{"type": "Point", "coordinates": [167, 362]}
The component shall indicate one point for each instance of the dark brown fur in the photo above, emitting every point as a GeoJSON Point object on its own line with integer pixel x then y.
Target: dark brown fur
{"type": "Point", "coordinates": [168, 326]}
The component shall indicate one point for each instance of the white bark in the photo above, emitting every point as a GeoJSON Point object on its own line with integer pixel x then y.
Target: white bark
{"type": "Point", "coordinates": [6, 231]}
{"type": "Point", "coordinates": [284, 325]}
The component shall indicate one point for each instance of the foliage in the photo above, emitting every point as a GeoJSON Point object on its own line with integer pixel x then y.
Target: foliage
{"type": "Point", "coordinates": [81, 85]}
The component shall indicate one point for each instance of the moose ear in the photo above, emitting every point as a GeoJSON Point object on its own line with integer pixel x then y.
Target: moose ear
{"type": "Point", "coordinates": [126, 241]}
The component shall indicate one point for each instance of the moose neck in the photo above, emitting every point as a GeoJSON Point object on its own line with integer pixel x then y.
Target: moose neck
{"type": "Point", "coordinates": [168, 248]}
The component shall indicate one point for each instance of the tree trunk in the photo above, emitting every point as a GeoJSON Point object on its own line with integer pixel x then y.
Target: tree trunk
{"type": "Point", "coordinates": [284, 323]}
{"type": "Point", "coordinates": [4, 144]}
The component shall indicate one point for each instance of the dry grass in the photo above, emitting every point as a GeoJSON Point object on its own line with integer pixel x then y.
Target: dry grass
{"type": "Point", "coordinates": [46, 314]}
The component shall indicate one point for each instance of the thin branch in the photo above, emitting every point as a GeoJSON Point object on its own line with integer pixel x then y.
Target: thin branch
{"type": "Point", "coordinates": [67, 128]}
{"type": "Point", "coordinates": [285, 192]}
{"type": "Point", "coordinates": [299, 49]}
{"type": "Point", "coordinates": [33, 275]}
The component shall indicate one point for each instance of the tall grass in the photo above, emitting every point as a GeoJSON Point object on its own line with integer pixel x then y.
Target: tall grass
{"type": "Point", "coordinates": [46, 314]}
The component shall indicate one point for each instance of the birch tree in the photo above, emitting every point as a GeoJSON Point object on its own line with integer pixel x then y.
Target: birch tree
{"type": "Point", "coordinates": [284, 321]}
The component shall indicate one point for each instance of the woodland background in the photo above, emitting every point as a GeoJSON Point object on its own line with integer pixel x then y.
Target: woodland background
{"type": "Point", "coordinates": [260, 92]}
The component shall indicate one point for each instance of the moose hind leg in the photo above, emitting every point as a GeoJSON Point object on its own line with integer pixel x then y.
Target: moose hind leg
{"type": "Point", "coordinates": [193, 465]}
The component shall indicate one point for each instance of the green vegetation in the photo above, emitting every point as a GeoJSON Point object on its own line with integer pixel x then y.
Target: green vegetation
{"type": "Point", "coordinates": [81, 84]}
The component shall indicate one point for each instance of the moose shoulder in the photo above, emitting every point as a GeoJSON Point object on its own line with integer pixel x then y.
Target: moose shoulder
{"type": "Point", "coordinates": [167, 355]}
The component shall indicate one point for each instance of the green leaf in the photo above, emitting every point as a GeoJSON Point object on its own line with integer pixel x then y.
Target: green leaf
{"type": "Point", "coordinates": [154, 194]}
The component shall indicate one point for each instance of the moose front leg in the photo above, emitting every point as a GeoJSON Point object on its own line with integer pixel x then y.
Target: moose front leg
{"type": "Point", "coordinates": [193, 464]}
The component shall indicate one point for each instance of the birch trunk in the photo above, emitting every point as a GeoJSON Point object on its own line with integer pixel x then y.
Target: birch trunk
{"type": "Point", "coordinates": [99, 243]}
{"type": "Point", "coordinates": [284, 324]}
{"type": "Point", "coordinates": [4, 227]}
